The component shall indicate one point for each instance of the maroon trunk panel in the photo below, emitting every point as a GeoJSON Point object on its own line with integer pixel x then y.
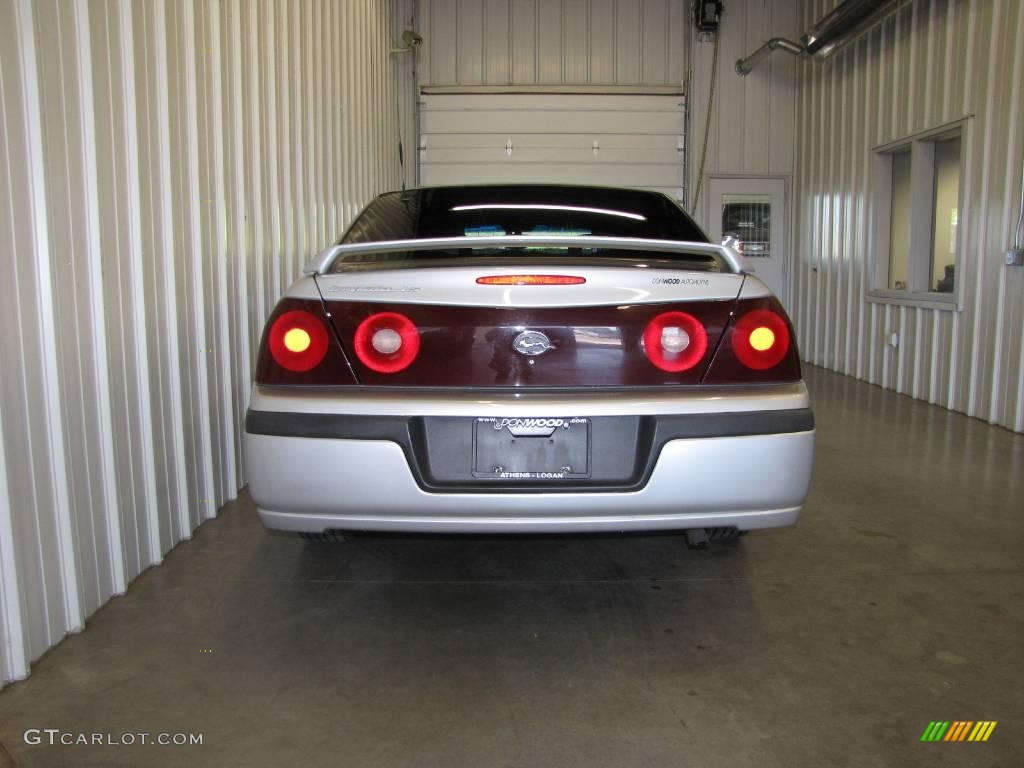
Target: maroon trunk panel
{"type": "Point", "coordinates": [473, 346]}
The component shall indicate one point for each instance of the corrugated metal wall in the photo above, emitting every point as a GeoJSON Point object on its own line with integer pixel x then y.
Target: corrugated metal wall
{"type": "Point", "coordinates": [933, 62]}
{"type": "Point", "coordinates": [167, 167]}
{"type": "Point", "coordinates": [553, 42]}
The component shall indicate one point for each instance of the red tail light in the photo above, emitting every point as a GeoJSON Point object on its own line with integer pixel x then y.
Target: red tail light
{"type": "Point", "coordinates": [531, 280]}
{"type": "Point", "coordinates": [298, 341]}
{"type": "Point", "coordinates": [675, 341]}
{"type": "Point", "coordinates": [760, 339]}
{"type": "Point", "coordinates": [387, 342]}
{"type": "Point", "coordinates": [757, 347]}
{"type": "Point", "coordinates": [299, 347]}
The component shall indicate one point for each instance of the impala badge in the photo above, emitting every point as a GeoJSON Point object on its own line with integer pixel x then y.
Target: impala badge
{"type": "Point", "coordinates": [532, 343]}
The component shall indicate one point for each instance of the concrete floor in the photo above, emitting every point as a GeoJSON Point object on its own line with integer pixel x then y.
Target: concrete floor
{"type": "Point", "coordinates": [895, 601]}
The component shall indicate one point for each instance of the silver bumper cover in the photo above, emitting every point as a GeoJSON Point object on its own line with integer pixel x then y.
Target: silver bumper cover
{"type": "Point", "coordinates": [313, 484]}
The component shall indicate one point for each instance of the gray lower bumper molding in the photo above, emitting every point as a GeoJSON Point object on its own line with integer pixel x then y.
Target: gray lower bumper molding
{"type": "Point", "coordinates": [438, 450]}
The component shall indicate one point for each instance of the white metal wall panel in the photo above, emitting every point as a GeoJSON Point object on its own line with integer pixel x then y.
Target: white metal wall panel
{"type": "Point", "coordinates": [70, 168]}
{"type": "Point", "coordinates": [33, 439]}
{"type": "Point", "coordinates": [13, 659]}
{"type": "Point", "coordinates": [617, 140]}
{"type": "Point", "coordinates": [753, 118]}
{"type": "Point", "coordinates": [167, 169]}
{"type": "Point", "coordinates": [565, 42]}
{"type": "Point", "coordinates": [930, 64]}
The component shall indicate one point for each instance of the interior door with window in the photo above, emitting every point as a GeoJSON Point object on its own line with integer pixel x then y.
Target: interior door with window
{"type": "Point", "coordinates": [753, 210]}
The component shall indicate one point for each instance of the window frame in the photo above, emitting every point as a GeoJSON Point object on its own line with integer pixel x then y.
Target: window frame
{"type": "Point", "coordinates": [922, 219]}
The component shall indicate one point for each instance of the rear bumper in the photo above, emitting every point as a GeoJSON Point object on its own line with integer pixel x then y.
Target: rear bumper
{"type": "Point", "coordinates": [550, 523]}
{"type": "Point", "coordinates": [313, 470]}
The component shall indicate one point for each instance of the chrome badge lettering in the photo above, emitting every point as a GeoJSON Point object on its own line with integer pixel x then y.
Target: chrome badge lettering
{"type": "Point", "coordinates": [532, 343]}
{"type": "Point", "coordinates": [371, 289]}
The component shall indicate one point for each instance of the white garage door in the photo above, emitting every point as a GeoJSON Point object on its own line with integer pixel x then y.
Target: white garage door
{"type": "Point", "coordinates": [608, 139]}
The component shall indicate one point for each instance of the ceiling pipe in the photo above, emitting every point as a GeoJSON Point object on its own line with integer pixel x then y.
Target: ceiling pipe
{"type": "Point", "coordinates": [842, 24]}
{"type": "Point", "coordinates": [745, 66]}
{"type": "Point", "coordinates": [846, 19]}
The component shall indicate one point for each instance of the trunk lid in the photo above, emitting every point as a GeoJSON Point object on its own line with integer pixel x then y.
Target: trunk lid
{"type": "Point", "coordinates": [530, 336]}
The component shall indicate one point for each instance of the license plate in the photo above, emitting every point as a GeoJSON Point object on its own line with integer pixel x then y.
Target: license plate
{"type": "Point", "coordinates": [531, 448]}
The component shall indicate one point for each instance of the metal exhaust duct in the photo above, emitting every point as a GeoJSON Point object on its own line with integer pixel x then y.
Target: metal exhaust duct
{"type": "Point", "coordinates": [844, 22]}
{"type": "Point", "coordinates": [745, 66]}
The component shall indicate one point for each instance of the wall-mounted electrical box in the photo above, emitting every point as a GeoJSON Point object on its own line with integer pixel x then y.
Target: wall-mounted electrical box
{"type": "Point", "coordinates": [707, 15]}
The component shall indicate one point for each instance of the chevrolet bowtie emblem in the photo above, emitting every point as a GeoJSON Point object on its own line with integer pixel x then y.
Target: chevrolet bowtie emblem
{"type": "Point", "coordinates": [532, 343]}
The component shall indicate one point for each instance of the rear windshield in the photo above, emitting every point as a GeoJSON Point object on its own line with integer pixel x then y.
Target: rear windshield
{"type": "Point", "coordinates": [540, 211]}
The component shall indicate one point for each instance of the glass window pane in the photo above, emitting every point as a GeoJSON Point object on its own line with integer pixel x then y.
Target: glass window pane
{"type": "Point", "coordinates": [899, 221]}
{"type": "Point", "coordinates": [946, 205]}
{"type": "Point", "coordinates": [748, 218]}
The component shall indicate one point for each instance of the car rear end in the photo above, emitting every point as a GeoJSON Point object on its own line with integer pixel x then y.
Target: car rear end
{"type": "Point", "coordinates": [560, 378]}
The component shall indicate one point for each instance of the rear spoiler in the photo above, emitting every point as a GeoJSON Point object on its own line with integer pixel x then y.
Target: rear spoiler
{"type": "Point", "coordinates": [324, 260]}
